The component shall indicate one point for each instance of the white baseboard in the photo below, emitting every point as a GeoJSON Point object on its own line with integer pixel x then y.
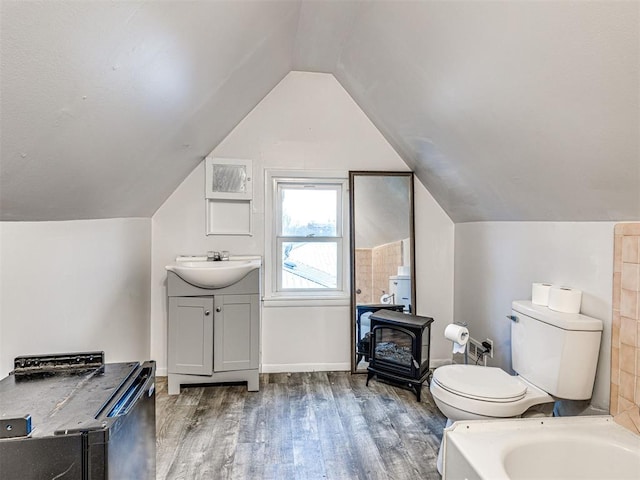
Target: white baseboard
{"type": "Point", "coordinates": [305, 367]}
{"type": "Point", "coordinates": [312, 367]}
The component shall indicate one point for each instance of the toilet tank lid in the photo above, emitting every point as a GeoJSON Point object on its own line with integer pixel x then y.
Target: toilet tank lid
{"type": "Point", "coordinates": [565, 321]}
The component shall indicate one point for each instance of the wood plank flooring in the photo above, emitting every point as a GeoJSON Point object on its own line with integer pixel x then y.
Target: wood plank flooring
{"type": "Point", "coordinates": [320, 425]}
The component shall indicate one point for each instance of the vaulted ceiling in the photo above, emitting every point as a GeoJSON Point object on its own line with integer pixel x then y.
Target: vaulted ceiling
{"type": "Point", "coordinates": [520, 110]}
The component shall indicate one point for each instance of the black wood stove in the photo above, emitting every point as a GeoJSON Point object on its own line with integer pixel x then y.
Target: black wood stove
{"type": "Point", "coordinates": [399, 348]}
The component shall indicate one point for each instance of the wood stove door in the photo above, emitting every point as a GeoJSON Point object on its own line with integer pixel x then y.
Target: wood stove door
{"type": "Point", "coordinates": [395, 350]}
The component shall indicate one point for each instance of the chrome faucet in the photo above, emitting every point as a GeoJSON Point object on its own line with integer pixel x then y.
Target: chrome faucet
{"type": "Point", "coordinates": [213, 256]}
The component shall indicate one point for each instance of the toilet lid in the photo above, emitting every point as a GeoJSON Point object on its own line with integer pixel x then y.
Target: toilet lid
{"type": "Point", "coordinates": [481, 383]}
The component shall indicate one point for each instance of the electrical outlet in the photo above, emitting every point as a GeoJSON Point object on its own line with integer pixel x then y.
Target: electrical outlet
{"type": "Point", "coordinates": [490, 343]}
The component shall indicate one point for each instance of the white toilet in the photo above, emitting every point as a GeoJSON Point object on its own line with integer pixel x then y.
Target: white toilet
{"type": "Point", "coordinates": [553, 354]}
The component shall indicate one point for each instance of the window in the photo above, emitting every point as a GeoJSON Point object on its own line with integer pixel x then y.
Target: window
{"type": "Point", "coordinates": [308, 245]}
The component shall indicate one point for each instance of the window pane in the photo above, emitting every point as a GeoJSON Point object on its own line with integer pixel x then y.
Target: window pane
{"type": "Point", "coordinates": [312, 265]}
{"type": "Point", "coordinates": [309, 212]}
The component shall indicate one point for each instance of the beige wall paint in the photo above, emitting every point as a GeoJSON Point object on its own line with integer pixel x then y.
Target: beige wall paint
{"type": "Point", "coordinates": [364, 279]}
{"type": "Point", "coordinates": [374, 266]}
{"type": "Point", "coordinates": [625, 338]}
{"type": "Point", "coordinates": [385, 261]}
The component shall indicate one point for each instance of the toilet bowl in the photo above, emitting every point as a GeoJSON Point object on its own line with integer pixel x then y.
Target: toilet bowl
{"type": "Point", "coordinates": [470, 392]}
{"type": "Point", "coordinates": [473, 392]}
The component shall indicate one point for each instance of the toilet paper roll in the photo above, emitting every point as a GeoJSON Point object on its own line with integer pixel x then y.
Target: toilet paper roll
{"type": "Point", "coordinates": [457, 348]}
{"type": "Point", "coordinates": [540, 293]}
{"type": "Point", "coordinates": [565, 299]}
{"type": "Point", "coordinates": [459, 335]}
{"type": "Point", "coordinates": [387, 298]}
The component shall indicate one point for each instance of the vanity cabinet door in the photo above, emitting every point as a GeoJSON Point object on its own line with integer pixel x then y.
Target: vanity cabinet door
{"type": "Point", "coordinates": [190, 335]}
{"type": "Point", "coordinates": [236, 332]}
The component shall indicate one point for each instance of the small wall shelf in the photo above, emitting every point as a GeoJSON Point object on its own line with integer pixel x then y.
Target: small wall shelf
{"type": "Point", "coordinates": [229, 217]}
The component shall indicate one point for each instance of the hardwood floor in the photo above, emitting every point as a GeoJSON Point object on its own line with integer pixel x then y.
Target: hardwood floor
{"type": "Point", "coordinates": [321, 425]}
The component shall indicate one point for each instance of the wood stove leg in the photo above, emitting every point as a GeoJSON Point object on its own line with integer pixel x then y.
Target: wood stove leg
{"type": "Point", "coordinates": [370, 375]}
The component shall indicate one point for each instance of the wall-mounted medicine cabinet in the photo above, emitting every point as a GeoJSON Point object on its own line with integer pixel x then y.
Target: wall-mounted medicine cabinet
{"type": "Point", "coordinates": [228, 179]}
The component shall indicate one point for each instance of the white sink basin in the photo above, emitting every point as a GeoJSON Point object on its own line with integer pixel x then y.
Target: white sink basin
{"type": "Point", "coordinates": [213, 274]}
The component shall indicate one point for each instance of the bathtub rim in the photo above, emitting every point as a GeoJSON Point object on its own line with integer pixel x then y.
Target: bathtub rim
{"type": "Point", "coordinates": [515, 432]}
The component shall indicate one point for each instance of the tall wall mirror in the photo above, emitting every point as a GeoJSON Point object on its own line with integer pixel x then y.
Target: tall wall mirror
{"type": "Point", "coordinates": [382, 252]}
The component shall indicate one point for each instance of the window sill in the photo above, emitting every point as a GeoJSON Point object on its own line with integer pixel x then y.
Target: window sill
{"type": "Point", "coordinates": [306, 302]}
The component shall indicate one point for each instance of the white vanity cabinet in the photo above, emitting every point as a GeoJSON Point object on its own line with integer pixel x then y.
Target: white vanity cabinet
{"type": "Point", "coordinates": [213, 335]}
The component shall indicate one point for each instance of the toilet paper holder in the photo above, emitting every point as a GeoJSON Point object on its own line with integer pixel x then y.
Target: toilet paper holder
{"type": "Point", "coordinates": [468, 335]}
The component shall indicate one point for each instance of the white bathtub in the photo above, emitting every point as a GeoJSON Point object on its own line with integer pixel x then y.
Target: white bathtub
{"type": "Point", "coordinates": [541, 449]}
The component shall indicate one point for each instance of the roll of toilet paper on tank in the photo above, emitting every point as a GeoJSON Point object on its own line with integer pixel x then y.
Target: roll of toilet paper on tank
{"type": "Point", "coordinates": [540, 293]}
{"type": "Point", "coordinates": [565, 299]}
{"type": "Point", "coordinates": [459, 335]}
{"type": "Point", "coordinates": [404, 270]}
{"type": "Point", "coordinates": [387, 298]}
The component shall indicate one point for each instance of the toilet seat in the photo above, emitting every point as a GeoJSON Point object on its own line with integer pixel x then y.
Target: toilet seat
{"type": "Point", "coordinates": [464, 392]}
{"type": "Point", "coordinates": [480, 383]}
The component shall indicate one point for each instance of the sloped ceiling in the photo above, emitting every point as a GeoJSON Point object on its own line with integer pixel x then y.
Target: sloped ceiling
{"type": "Point", "coordinates": [505, 110]}
{"type": "Point", "coordinates": [108, 106]}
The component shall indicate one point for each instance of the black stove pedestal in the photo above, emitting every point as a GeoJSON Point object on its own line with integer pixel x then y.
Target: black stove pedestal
{"type": "Point", "coordinates": [399, 349]}
{"type": "Point", "coordinates": [414, 385]}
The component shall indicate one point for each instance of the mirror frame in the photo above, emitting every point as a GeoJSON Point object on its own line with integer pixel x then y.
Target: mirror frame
{"type": "Point", "coordinates": [352, 246]}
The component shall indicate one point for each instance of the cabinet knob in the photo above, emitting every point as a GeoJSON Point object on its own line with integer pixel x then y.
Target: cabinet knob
{"type": "Point", "coordinates": [218, 309]}
{"type": "Point", "coordinates": [206, 313]}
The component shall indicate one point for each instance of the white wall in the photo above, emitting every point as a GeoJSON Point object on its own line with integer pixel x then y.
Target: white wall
{"type": "Point", "coordinates": [496, 262]}
{"type": "Point", "coordinates": [75, 286]}
{"type": "Point", "coordinates": [308, 122]}
{"type": "Point", "coordinates": [434, 270]}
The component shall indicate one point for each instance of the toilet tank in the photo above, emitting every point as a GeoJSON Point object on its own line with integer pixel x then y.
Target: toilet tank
{"type": "Point", "coordinates": [400, 287]}
{"type": "Point", "coordinates": [557, 352]}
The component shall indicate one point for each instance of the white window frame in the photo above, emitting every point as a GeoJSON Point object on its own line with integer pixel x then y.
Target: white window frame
{"type": "Point", "coordinates": [273, 250]}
